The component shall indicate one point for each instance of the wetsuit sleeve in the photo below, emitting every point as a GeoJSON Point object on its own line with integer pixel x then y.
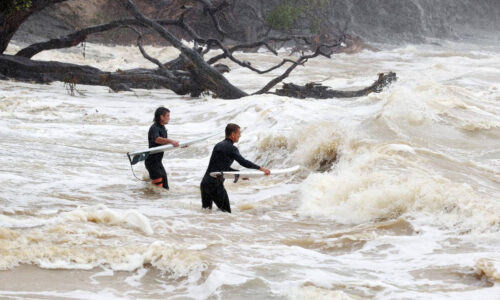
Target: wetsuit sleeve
{"type": "Point", "coordinates": [154, 134]}
{"type": "Point", "coordinates": [242, 161]}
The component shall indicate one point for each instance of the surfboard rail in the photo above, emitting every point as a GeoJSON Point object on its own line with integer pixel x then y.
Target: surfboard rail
{"type": "Point", "coordinates": [140, 155]}
{"type": "Point", "coordinates": [252, 173]}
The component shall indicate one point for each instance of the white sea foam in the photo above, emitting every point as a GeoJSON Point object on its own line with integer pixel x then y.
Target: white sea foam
{"type": "Point", "coordinates": [104, 215]}
{"type": "Point", "coordinates": [490, 267]}
{"type": "Point", "coordinates": [361, 191]}
{"type": "Point", "coordinates": [313, 292]}
{"type": "Point", "coordinates": [71, 253]}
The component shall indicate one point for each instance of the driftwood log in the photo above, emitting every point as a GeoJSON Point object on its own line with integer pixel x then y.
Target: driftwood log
{"type": "Point", "coordinates": [318, 91]}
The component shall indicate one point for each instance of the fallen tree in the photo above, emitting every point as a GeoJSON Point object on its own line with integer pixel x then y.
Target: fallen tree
{"type": "Point", "coordinates": [190, 73]}
{"type": "Point", "coordinates": [25, 69]}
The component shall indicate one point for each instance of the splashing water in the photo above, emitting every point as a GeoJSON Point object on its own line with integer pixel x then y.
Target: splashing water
{"type": "Point", "coordinates": [397, 196]}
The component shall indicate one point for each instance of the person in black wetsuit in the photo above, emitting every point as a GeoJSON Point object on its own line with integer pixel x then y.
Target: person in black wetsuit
{"type": "Point", "coordinates": [223, 155]}
{"type": "Point", "coordinates": [158, 136]}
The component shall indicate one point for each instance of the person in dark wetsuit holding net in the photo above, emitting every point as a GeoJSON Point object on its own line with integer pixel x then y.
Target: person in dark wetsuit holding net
{"type": "Point", "coordinates": [158, 136]}
{"type": "Point", "coordinates": [223, 155]}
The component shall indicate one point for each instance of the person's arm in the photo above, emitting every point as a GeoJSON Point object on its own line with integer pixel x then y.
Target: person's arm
{"type": "Point", "coordinates": [242, 161]}
{"type": "Point", "coordinates": [248, 164]}
{"type": "Point", "coordinates": [266, 171]}
{"type": "Point", "coordinates": [166, 141]}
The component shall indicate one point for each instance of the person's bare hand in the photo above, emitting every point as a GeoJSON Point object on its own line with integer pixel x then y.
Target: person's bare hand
{"type": "Point", "coordinates": [175, 143]}
{"type": "Point", "coordinates": [266, 171]}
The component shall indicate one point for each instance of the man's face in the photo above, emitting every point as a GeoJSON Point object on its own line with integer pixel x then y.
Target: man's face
{"type": "Point", "coordinates": [165, 118]}
{"type": "Point", "coordinates": [235, 136]}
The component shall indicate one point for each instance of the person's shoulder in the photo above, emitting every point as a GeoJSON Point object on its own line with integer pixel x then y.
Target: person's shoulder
{"type": "Point", "coordinates": [229, 146]}
{"type": "Point", "coordinates": [222, 143]}
{"type": "Point", "coordinates": [155, 126]}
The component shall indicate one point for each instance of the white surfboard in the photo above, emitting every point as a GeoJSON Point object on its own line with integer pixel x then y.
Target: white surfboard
{"type": "Point", "coordinates": [252, 173]}
{"type": "Point", "coordinates": [140, 155]}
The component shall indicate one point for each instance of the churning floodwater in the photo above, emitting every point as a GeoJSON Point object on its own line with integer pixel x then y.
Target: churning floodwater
{"type": "Point", "coordinates": [397, 196]}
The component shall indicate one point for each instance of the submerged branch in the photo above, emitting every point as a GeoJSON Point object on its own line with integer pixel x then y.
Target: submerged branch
{"type": "Point", "coordinates": [318, 91]}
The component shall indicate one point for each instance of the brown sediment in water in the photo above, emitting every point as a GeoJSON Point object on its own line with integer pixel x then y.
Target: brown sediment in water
{"type": "Point", "coordinates": [487, 269]}
{"type": "Point", "coordinates": [453, 275]}
{"type": "Point", "coordinates": [27, 281]}
{"type": "Point", "coordinates": [354, 239]}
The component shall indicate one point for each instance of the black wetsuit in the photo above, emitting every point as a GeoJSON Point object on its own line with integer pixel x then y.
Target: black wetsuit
{"type": "Point", "coordinates": [212, 189]}
{"type": "Point", "coordinates": [153, 161]}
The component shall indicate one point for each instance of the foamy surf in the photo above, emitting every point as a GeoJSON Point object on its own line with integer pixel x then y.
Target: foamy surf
{"type": "Point", "coordinates": [489, 267]}
{"type": "Point", "coordinates": [357, 194]}
{"type": "Point", "coordinates": [53, 250]}
{"type": "Point", "coordinates": [102, 214]}
{"type": "Point", "coordinates": [397, 196]}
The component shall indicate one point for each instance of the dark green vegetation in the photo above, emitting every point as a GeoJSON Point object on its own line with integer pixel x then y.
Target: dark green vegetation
{"type": "Point", "coordinates": [302, 14]}
{"type": "Point", "coordinates": [14, 5]}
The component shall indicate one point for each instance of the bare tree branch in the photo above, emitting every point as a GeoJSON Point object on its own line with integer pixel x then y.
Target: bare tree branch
{"type": "Point", "coordinates": [77, 37]}
{"type": "Point", "coordinates": [299, 61]}
{"type": "Point", "coordinates": [161, 67]}
{"type": "Point", "coordinates": [211, 10]}
{"type": "Point", "coordinates": [228, 53]}
{"type": "Point", "coordinates": [209, 77]}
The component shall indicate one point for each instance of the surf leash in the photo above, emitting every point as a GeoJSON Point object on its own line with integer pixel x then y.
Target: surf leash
{"type": "Point", "coordinates": [132, 168]}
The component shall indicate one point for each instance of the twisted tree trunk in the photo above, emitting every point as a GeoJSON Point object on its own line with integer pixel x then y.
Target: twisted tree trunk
{"type": "Point", "coordinates": [208, 76]}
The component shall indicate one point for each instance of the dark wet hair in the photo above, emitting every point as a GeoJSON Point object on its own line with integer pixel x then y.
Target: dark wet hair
{"type": "Point", "coordinates": [230, 128]}
{"type": "Point", "coordinates": [160, 111]}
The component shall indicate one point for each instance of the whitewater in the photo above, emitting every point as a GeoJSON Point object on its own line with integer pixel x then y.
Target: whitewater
{"type": "Point", "coordinates": [397, 196]}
